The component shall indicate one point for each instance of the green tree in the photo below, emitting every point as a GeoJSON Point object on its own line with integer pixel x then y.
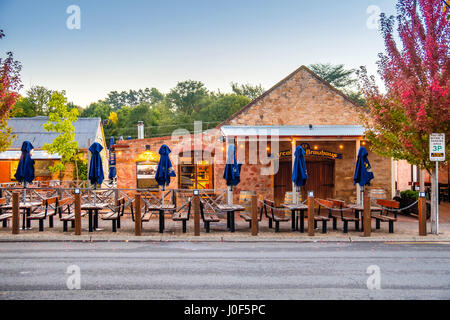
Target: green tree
{"type": "Point", "coordinates": [23, 108]}
{"type": "Point", "coordinates": [39, 97]}
{"type": "Point", "coordinates": [133, 98]}
{"type": "Point", "coordinates": [188, 97]}
{"type": "Point", "coordinates": [223, 107]}
{"type": "Point", "coordinates": [341, 78]}
{"type": "Point", "coordinates": [61, 120]}
{"type": "Point", "coordinates": [247, 90]}
{"type": "Point", "coordinates": [98, 109]}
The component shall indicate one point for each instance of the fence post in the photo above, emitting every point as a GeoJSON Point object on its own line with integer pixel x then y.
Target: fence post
{"type": "Point", "coordinates": [367, 214]}
{"type": "Point", "coordinates": [116, 195]}
{"type": "Point", "coordinates": [422, 216]}
{"type": "Point", "coordinates": [137, 215]}
{"type": "Point", "coordinates": [310, 216]}
{"type": "Point", "coordinates": [196, 201]}
{"type": "Point", "coordinates": [15, 213]}
{"type": "Point", "coordinates": [60, 192]}
{"type": "Point", "coordinates": [254, 215]}
{"type": "Point", "coordinates": [78, 214]}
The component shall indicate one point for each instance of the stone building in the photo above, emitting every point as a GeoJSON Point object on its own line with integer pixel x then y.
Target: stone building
{"type": "Point", "coordinates": [301, 109]}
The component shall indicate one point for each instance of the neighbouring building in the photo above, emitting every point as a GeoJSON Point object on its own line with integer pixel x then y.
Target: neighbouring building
{"type": "Point", "coordinates": [87, 130]}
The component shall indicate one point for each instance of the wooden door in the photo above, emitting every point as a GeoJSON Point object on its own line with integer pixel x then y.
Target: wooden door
{"type": "Point", "coordinates": [320, 178]}
{"type": "Point", "coordinates": [282, 181]}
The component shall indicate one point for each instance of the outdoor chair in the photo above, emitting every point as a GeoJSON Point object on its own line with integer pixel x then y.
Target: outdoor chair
{"type": "Point", "coordinates": [146, 214]}
{"type": "Point", "coordinates": [208, 214]}
{"type": "Point", "coordinates": [385, 214]}
{"type": "Point", "coordinates": [274, 215]}
{"type": "Point", "coordinates": [183, 214]}
{"type": "Point", "coordinates": [49, 208]}
{"type": "Point", "coordinates": [4, 214]}
{"type": "Point", "coordinates": [114, 215]}
{"type": "Point", "coordinates": [345, 217]}
{"type": "Point", "coordinates": [64, 213]}
{"type": "Point", "coordinates": [247, 215]}
{"type": "Point", "coordinates": [323, 219]}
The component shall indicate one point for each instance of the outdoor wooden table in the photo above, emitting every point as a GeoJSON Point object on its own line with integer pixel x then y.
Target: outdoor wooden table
{"type": "Point", "coordinates": [92, 209]}
{"type": "Point", "coordinates": [359, 212]}
{"type": "Point", "coordinates": [230, 210]}
{"type": "Point", "coordinates": [294, 207]}
{"type": "Point", "coordinates": [26, 206]}
{"type": "Point", "coordinates": [162, 210]}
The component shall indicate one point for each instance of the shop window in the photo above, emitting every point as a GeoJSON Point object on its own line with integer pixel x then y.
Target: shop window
{"type": "Point", "coordinates": [146, 165]}
{"type": "Point", "coordinates": [195, 175]}
{"type": "Point", "coordinates": [41, 169]}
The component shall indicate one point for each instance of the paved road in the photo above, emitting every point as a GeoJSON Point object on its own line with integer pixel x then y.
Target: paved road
{"type": "Point", "coordinates": [223, 270]}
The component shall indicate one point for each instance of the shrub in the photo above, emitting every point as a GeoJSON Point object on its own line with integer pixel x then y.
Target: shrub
{"type": "Point", "coordinates": [410, 195]}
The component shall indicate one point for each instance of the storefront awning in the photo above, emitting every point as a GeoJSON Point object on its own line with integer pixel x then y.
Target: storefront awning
{"type": "Point", "coordinates": [37, 155]}
{"type": "Point", "coordinates": [293, 131]}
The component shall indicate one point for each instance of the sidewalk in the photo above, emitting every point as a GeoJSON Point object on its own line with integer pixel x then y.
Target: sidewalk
{"type": "Point", "coordinates": [406, 230]}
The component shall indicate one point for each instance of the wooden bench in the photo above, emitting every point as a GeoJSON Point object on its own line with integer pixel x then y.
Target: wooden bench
{"type": "Point", "coordinates": [50, 209]}
{"type": "Point", "coordinates": [384, 215]}
{"type": "Point", "coordinates": [345, 218]}
{"type": "Point", "coordinates": [64, 213]}
{"type": "Point", "coordinates": [323, 219]}
{"type": "Point", "coordinates": [248, 217]}
{"type": "Point", "coordinates": [4, 216]}
{"type": "Point", "coordinates": [273, 216]}
{"type": "Point", "coordinates": [183, 214]}
{"type": "Point", "coordinates": [208, 216]}
{"type": "Point", "coordinates": [114, 216]}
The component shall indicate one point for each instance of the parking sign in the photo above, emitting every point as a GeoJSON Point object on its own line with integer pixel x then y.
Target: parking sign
{"type": "Point", "coordinates": [437, 147]}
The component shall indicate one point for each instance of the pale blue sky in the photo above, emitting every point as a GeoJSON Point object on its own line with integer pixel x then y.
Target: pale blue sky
{"type": "Point", "coordinates": [135, 44]}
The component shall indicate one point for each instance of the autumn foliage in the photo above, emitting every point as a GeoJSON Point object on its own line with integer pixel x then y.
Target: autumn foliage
{"type": "Point", "coordinates": [10, 84]}
{"type": "Point", "coordinates": [415, 69]}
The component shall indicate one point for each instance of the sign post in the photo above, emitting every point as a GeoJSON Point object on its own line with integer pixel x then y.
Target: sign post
{"type": "Point", "coordinates": [437, 154]}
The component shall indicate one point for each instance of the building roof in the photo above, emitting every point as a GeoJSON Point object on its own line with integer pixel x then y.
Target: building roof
{"type": "Point", "coordinates": [31, 129]}
{"type": "Point", "coordinates": [289, 131]}
{"type": "Point", "coordinates": [282, 82]}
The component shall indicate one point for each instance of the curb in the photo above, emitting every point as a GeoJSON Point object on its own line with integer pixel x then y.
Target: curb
{"type": "Point", "coordinates": [225, 239]}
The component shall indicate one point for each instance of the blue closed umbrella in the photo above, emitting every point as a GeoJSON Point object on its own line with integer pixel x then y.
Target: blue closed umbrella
{"type": "Point", "coordinates": [111, 142]}
{"type": "Point", "coordinates": [232, 173]}
{"type": "Point", "coordinates": [165, 169]}
{"type": "Point", "coordinates": [112, 160]}
{"type": "Point", "coordinates": [363, 171]}
{"type": "Point", "coordinates": [299, 173]}
{"type": "Point", "coordinates": [95, 166]}
{"type": "Point", "coordinates": [112, 173]}
{"type": "Point", "coordinates": [25, 169]}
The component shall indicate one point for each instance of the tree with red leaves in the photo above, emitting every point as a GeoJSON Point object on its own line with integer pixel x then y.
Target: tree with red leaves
{"type": "Point", "coordinates": [10, 84]}
{"type": "Point", "coordinates": [416, 74]}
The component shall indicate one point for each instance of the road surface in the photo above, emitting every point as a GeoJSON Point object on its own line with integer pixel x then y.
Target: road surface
{"type": "Point", "coordinates": [240, 271]}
